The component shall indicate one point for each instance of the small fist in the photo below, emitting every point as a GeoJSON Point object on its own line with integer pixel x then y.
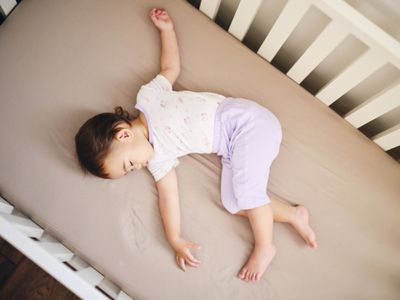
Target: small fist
{"type": "Point", "coordinates": [161, 19]}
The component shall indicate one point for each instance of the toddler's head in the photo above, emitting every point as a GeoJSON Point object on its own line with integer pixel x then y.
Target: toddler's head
{"type": "Point", "coordinates": [109, 145]}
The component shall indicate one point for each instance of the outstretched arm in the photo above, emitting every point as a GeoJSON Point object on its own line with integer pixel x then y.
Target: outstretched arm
{"type": "Point", "coordinates": [168, 196]}
{"type": "Point", "coordinates": [169, 61]}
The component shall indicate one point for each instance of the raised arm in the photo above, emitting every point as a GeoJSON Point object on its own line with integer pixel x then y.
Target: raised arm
{"type": "Point", "coordinates": [169, 60]}
{"type": "Point", "coordinates": [170, 213]}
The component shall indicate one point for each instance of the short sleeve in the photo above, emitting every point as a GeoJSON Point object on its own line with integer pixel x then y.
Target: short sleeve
{"type": "Point", "coordinates": [161, 168]}
{"type": "Point", "coordinates": [159, 83]}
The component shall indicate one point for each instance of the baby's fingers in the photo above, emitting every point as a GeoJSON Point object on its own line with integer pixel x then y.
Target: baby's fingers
{"type": "Point", "coordinates": [192, 263]}
{"type": "Point", "coordinates": [158, 12]}
{"type": "Point", "coordinates": [181, 263]}
{"type": "Point", "coordinates": [191, 257]}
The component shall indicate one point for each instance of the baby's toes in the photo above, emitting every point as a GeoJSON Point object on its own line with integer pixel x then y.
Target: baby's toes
{"type": "Point", "coordinates": [242, 273]}
{"type": "Point", "coordinates": [245, 275]}
{"type": "Point", "coordinates": [253, 277]}
{"type": "Point", "coordinates": [248, 274]}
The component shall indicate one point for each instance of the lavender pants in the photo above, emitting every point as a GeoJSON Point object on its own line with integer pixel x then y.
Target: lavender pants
{"type": "Point", "coordinates": [248, 137]}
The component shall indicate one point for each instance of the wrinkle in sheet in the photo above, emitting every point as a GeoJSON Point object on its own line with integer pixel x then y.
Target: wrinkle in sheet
{"type": "Point", "coordinates": [133, 230]}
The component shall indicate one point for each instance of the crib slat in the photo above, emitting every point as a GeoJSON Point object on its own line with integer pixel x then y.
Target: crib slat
{"type": "Point", "coordinates": [323, 45]}
{"type": "Point", "coordinates": [93, 277]}
{"type": "Point", "coordinates": [243, 18]}
{"type": "Point", "coordinates": [291, 15]}
{"type": "Point", "coordinates": [362, 28]}
{"type": "Point", "coordinates": [360, 69]}
{"type": "Point", "coordinates": [78, 263]}
{"type": "Point", "coordinates": [389, 138]}
{"type": "Point", "coordinates": [46, 237]}
{"type": "Point", "coordinates": [123, 296]}
{"type": "Point", "coordinates": [375, 107]}
{"type": "Point", "coordinates": [90, 275]}
{"type": "Point", "coordinates": [109, 288]}
{"type": "Point", "coordinates": [19, 213]}
{"type": "Point", "coordinates": [7, 5]}
{"type": "Point", "coordinates": [85, 271]}
{"type": "Point", "coordinates": [26, 226]}
{"type": "Point", "coordinates": [112, 290]}
{"type": "Point", "coordinates": [5, 207]}
{"type": "Point", "coordinates": [46, 261]}
{"type": "Point", "coordinates": [210, 7]}
{"type": "Point", "coordinates": [58, 250]}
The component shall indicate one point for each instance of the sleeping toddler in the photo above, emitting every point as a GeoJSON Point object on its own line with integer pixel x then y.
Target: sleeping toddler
{"type": "Point", "coordinates": [171, 124]}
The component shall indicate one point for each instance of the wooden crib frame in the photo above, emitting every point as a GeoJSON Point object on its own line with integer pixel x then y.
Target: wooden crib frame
{"type": "Point", "coordinates": [82, 279]}
{"type": "Point", "coordinates": [53, 257]}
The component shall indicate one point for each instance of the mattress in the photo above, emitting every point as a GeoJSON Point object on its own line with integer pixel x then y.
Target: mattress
{"type": "Point", "coordinates": [64, 61]}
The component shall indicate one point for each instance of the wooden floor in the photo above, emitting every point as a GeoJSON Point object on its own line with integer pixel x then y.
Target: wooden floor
{"type": "Point", "coordinates": [21, 279]}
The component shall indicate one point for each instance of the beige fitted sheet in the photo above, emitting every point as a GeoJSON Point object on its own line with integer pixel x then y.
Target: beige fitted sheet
{"type": "Point", "coordinates": [64, 61]}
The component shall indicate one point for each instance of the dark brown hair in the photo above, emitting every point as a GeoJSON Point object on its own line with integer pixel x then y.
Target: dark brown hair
{"type": "Point", "coordinates": [95, 136]}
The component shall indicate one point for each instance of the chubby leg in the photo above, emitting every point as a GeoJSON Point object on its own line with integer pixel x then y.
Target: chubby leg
{"type": "Point", "coordinates": [282, 212]}
{"type": "Point", "coordinates": [295, 215]}
{"type": "Point", "coordinates": [261, 221]}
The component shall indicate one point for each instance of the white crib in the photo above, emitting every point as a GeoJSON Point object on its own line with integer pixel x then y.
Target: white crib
{"type": "Point", "coordinates": [87, 283]}
{"type": "Point", "coordinates": [344, 21]}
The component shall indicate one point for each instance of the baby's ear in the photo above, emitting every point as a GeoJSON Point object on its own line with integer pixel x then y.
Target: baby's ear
{"type": "Point", "coordinates": [123, 133]}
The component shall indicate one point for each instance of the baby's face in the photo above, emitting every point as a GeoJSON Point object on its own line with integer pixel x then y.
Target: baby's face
{"type": "Point", "coordinates": [129, 151]}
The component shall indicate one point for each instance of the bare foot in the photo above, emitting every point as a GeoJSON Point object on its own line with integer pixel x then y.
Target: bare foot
{"type": "Point", "coordinates": [300, 223]}
{"type": "Point", "coordinates": [257, 263]}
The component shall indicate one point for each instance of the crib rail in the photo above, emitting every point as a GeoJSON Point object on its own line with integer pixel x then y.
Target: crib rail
{"type": "Point", "coordinates": [53, 257]}
{"type": "Point", "coordinates": [345, 20]}
{"type": "Point", "coordinates": [6, 6]}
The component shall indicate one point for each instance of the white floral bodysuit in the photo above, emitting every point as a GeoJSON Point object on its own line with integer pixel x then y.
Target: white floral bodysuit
{"type": "Point", "coordinates": [180, 122]}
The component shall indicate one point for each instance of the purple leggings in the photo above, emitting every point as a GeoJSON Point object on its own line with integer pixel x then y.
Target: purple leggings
{"type": "Point", "coordinates": [248, 137]}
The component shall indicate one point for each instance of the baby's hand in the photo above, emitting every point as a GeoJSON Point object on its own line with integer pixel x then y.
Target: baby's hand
{"type": "Point", "coordinates": [183, 255]}
{"type": "Point", "coordinates": [161, 19]}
